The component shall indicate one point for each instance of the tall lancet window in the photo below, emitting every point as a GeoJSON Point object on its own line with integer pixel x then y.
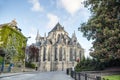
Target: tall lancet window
{"type": "Point", "coordinates": [60, 54]}
{"type": "Point", "coordinates": [58, 38]}
{"type": "Point", "coordinates": [80, 55]}
{"type": "Point", "coordinates": [64, 54]}
{"type": "Point", "coordinates": [75, 54]}
{"type": "Point", "coordinates": [55, 58]}
{"type": "Point", "coordinates": [71, 55]}
{"type": "Point", "coordinates": [49, 54]}
{"type": "Point", "coordinates": [44, 54]}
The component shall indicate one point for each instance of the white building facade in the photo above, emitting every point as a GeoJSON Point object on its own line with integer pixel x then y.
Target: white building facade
{"type": "Point", "coordinates": [58, 51]}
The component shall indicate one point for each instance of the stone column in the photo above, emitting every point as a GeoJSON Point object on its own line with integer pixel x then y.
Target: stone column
{"type": "Point", "coordinates": [41, 59]}
{"type": "Point", "coordinates": [52, 53]}
{"type": "Point", "coordinates": [52, 59]}
{"type": "Point", "coordinates": [67, 56]}
{"type": "Point", "coordinates": [73, 56]}
{"type": "Point", "coordinates": [57, 62]}
{"type": "Point", "coordinates": [42, 50]}
{"type": "Point", "coordinates": [68, 53]}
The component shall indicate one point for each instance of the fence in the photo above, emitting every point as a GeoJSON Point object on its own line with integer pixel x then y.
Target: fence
{"type": "Point", "coordinates": [82, 75]}
{"type": "Point", "coordinates": [90, 75]}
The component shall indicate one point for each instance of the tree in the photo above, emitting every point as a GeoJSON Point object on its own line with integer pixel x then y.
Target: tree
{"type": "Point", "coordinates": [10, 54]}
{"type": "Point", "coordinates": [103, 27]}
{"type": "Point", "coordinates": [34, 53]}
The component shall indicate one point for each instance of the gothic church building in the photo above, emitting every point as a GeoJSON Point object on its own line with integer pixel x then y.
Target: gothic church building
{"type": "Point", "coordinates": [58, 51]}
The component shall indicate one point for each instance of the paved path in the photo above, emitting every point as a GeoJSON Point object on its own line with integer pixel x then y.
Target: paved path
{"type": "Point", "coordinates": [58, 75]}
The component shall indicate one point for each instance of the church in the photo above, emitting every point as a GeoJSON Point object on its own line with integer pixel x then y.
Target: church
{"type": "Point", "coordinates": [58, 51]}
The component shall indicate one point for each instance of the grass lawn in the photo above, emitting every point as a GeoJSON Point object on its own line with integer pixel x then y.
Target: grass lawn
{"type": "Point", "coordinates": [112, 77]}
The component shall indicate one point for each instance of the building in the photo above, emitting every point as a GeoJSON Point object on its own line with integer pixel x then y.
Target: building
{"type": "Point", "coordinates": [58, 51]}
{"type": "Point", "coordinates": [12, 42]}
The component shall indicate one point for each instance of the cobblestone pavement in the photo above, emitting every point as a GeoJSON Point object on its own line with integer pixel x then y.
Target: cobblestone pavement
{"type": "Point", "coordinates": [56, 75]}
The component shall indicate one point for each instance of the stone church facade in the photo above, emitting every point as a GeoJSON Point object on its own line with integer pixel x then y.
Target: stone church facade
{"type": "Point", "coordinates": [58, 51]}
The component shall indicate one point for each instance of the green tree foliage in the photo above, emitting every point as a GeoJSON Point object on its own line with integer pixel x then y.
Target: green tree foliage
{"type": "Point", "coordinates": [95, 64]}
{"type": "Point", "coordinates": [13, 42]}
{"type": "Point", "coordinates": [88, 65]}
{"type": "Point", "coordinates": [103, 27]}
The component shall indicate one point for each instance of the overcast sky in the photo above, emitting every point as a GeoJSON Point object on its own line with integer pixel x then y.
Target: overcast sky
{"type": "Point", "coordinates": [42, 15]}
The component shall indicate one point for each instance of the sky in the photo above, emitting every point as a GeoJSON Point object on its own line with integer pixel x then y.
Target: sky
{"type": "Point", "coordinates": [43, 15]}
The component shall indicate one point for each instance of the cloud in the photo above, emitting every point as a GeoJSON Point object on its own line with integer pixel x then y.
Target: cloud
{"type": "Point", "coordinates": [36, 5]}
{"type": "Point", "coordinates": [53, 20]}
{"type": "Point", "coordinates": [72, 6]}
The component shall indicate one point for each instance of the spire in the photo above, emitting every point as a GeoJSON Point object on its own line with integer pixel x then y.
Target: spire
{"type": "Point", "coordinates": [44, 36]}
{"type": "Point", "coordinates": [74, 35]}
{"type": "Point", "coordinates": [74, 38]}
{"type": "Point", "coordinates": [38, 36]}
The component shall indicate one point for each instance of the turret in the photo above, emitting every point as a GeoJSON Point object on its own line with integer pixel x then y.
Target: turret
{"type": "Point", "coordinates": [37, 37]}
{"type": "Point", "coordinates": [74, 38]}
{"type": "Point", "coordinates": [45, 36]}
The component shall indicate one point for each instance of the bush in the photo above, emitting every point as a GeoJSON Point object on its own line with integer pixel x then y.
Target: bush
{"type": "Point", "coordinates": [85, 65]}
{"type": "Point", "coordinates": [30, 65]}
{"type": "Point", "coordinates": [89, 65]}
{"type": "Point", "coordinates": [96, 64]}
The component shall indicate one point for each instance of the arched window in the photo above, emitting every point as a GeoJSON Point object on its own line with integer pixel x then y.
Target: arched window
{"type": "Point", "coordinates": [49, 54]}
{"type": "Point", "coordinates": [64, 54]}
{"type": "Point", "coordinates": [58, 37]}
{"type": "Point", "coordinates": [44, 54]}
{"type": "Point", "coordinates": [80, 55]}
{"type": "Point", "coordinates": [75, 54]}
{"type": "Point", "coordinates": [60, 54]}
{"type": "Point", "coordinates": [71, 55]}
{"type": "Point", "coordinates": [55, 58]}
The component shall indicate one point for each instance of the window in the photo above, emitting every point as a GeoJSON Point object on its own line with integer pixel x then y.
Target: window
{"type": "Point", "coordinates": [71, 56]}
{"type": "Point", "coordinates": [55, 54]}
{"type": "Point", "coordinates": [75, 54]}
{"type": "Point", "coordinates": [44, 54]}
{"type": "Point", "coordinates": [80, 54]}
{"type": "Point", "coordinates": [64, 54]}
{"type": "Point", "coordinates": [49, 54]}
{"type": "Point", "coordinates": [60, 54]}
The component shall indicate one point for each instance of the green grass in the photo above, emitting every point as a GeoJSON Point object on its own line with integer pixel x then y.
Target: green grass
{"type": "Point", "coordinates": [112, 77]}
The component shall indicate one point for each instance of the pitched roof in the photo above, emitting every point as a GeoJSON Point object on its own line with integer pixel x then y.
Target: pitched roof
{"type": "Point", "coordinates": [57, 27]}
